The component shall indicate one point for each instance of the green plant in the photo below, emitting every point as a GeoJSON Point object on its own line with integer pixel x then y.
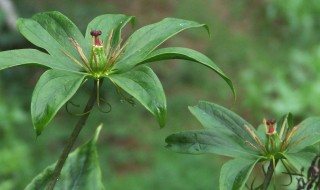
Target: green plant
{"type": "Point", "coordinates": [313, 177]}
{"type": "Point", "coordinates": [73, 59]}
{"type": "Point", "coordinates": [228, 134]}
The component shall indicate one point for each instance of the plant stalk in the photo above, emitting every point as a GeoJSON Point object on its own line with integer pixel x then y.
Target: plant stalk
{"type": "Point", "coordinates": [73, 137]}
{"type": "Point", "coordinates": [269, 175]}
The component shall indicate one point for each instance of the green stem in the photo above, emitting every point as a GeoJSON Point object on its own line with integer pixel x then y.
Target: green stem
{"type": "Point", "coordinates": [73, 137]}
{"type": "Point", "coordinates": [269, 174]}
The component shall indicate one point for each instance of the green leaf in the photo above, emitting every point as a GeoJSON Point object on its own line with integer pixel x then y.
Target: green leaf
{"type": "Point", "coordinates": [143, 84]}
{"type": "Point", "coordinates": [300, 160]}
{"type": "Point", "coordinates": [308, 134]}
{"type": "Point", "coordinates": [208, 141]}
{"type": "Point", "coordinates": [187, 54]}
{"type": "Point", "coordinates": [106, 23]}
{"type": "Point", "coordinates": [81, 170]}
{"type": "Point", "coordinates": [148, 38]}
{"type": "Point", "coordinates": [52, 31]}
{"type": "Point", "coordinates": [289, 121]}
{"type": "Point", "coordinates": [52, 91]}
{"type": "Point", "coordinates": [222, 120]}
{"type": "Point", "coordinates": [30, 56]}
{"type": "Point", "coordinates": [235, 173]}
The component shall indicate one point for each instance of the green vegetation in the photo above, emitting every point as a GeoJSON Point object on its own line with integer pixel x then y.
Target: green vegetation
{"type": "Point", "coordinates": [270, 50]}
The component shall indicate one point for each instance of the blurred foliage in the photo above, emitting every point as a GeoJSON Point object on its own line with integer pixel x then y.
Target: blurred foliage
{"type": "Point", "coordinates": [14, 154]}
{"type": "Point", "coordinates": [269, 48]}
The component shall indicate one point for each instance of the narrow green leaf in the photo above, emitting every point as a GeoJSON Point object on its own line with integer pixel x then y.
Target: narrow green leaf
{"type": "Point", "coordinates": [52, 91]}
{"type": "Point", "coordinates": [143, 84]}
{"type": "Point", "coordinates": [106, 23]}
{"type": "Point", "coordinates": [30, 56]}
{"type": "Point", "coordinates": [81, 170]}
{"type": "Point", "coordinates": [208, 141]}
{"type": "Point", "coordinates": [187, 54]}
{"type": "Point", "coordinates": [289, 121]}
{"type": "Point", "coordinates": [308, 134]}
{"type": "Point", "coordinates": [148, 38]}
{"type": "Point", "coordinates": [235, 173]}
{"type": "Point", "coordinates": [220, 119]}
{"type": "Point", "coordinates": [52, 31]}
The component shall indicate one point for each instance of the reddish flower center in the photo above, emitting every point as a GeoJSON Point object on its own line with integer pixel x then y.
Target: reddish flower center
{"type": "Point", "coordinates": [271, 123]}
{"type": "Point", "coordinates": [96, 34]}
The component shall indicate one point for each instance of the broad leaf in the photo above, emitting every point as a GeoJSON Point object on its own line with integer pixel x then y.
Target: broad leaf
{"type": "Point", "coordinates": [52, 91]}
{"type": "Point", "coordinates": [106, 23]}
{"type": "Point", "coordinates": [143, 84]}
{"type": "Point", "coordinates": [81, 170]}
{"type": "Point", "coordinates": [220, 119]}
{"type": "Point", "coordinates": [148, 38]}
{"type": "Point", "coordinates": [187, 54]}
{"type": "Point", "coordinates": [300, 160]}
{"type": "Point", "coordinates": [30, 56]}
{"type": "Point", "coordinates": [52, 31]}
{"type": "Point", "coordinates": [208, 141]}
{"type": "Point", "coordinates": [235, 173]}
{"type": "Point", "coordinates": [308, 134]}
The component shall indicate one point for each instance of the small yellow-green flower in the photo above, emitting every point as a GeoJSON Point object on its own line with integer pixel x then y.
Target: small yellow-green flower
{"type": "Point", "coordinates": [227, 134]}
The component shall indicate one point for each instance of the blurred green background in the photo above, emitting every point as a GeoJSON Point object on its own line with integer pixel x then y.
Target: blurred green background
{"type": "Point", "coordinates": [269, 48]}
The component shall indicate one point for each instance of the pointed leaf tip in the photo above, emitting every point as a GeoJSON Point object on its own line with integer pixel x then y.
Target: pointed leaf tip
{"type": "Point", "coordinates": [52, 91]}
{"type": "Point", "coordinates": [81, 170]}
{"type": "Point", "coordinates": [97, 133]}
{"type": "Point", "coordinates": [153, 36]}
{"type": "Point", "coordinates": [143, 84]}
{"type": "Point", "coordinates": [190, 55]}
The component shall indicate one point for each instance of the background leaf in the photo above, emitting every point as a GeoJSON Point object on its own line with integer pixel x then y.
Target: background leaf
{"type": "Point", "coordinates": [208, 141]}
{"type": "Point", "coordinates": [146, 39]}
{"type": "Point", "coordinates": [187, 54]}
{"type": "Point", "coordinates": [143, 84]}
{"type": "Point", "coordinates": [235, 173]}
{"type": "Point", "coordinates": [81, 170]}
{"type": "Point", "coordinates": [222, 120]}
{"type": "Point", "coordinates": [52, 91]}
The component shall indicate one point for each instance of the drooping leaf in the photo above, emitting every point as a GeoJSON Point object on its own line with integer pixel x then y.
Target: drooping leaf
{"type": "Point", "coordinates": [143, 84]}
{"type": "Point", "coordinates": [30, 56]}
{"type": "Point", "coordinates": [235, 173]}
{"type": "Point", "coordinates": [208, 141]}
{"type": "Point", "coordinates": [148, 38]}
{"type": "Point", "coordinates": [187, 54]}
{"type": "Point", "coordinates": [106, 23]}
{"type": "Point", "coordinates": [52, 31]}
{"type": "Point", "coordinates": [81, 170]}
{"type": "Point", "coordinates": [308, 134]}
{"type": "Point", "coordinates": [220, 119]}
{"type": "Point", "coordinates": [52, 91]}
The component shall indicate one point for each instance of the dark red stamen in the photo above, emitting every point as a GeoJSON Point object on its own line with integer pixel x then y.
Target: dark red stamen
{"type": "Point", "coordinates": [96, 34]}
{"type": "Point", "coordinates": [270, 123]}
